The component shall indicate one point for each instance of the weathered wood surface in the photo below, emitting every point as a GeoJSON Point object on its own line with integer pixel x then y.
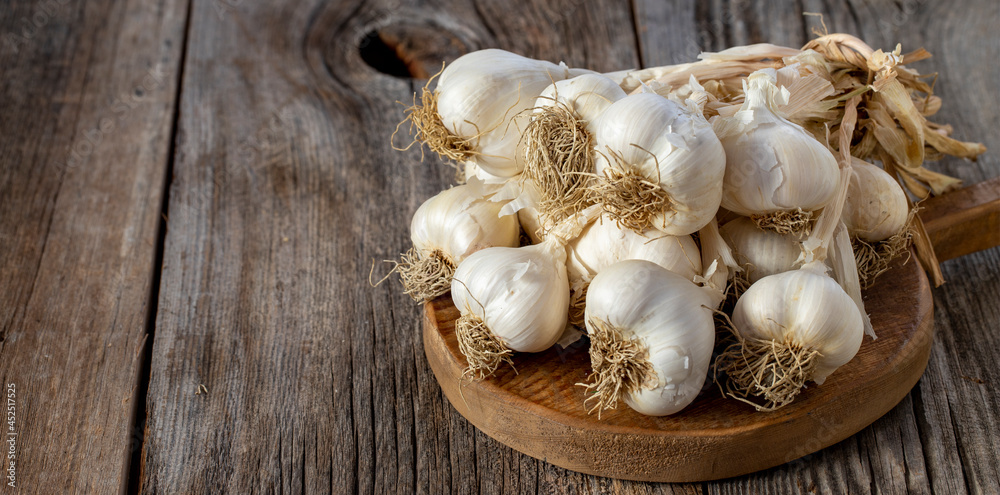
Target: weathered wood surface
{"type": "Point", "coordinates": [284, 189]}
{"type": "Point", "coordinates": [87, 99]}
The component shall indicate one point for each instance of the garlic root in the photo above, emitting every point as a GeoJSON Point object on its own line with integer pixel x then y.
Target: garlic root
{"type": "Point", "coordinates": [559, 159]}
{"type": "Point", "coordinates": [873, 258]}
{"type": "Point", "coordinates": [795, 222]}
{"type": "Point", "coordinates": [774, 371]}
{"type": "Point", "coordinates": [427, 128]}
{"type": "Point", "coordinates": [630, 199]}
{"type": "Point", "coordinates": [620, 366]}
{"type": "Point", "coordinates": [425, 277]}
{"type": "Point", "coordinates": [482, 350]}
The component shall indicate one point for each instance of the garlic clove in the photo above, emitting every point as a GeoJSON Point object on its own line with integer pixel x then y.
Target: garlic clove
{"type": "Point", "coordinates": [458, 222]}
{"type": "Point", "coordinates": [760, 252]}
{"type": "Point", "coordinates": [481, 98]}
{"type": "Point", "coordinates": [558, 142]}
{"type": "Point", "coordinates": [587, 96]}
{"type": "Point", "coordinates": [514, 299]}
{"type": "Point", "coordinates": [603, 243]}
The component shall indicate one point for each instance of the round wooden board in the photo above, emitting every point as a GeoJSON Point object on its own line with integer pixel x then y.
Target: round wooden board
{"type": "Point", "coordinates": [539, 409]}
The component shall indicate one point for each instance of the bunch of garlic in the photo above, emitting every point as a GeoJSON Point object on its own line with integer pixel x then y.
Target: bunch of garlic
{"type": "Point", "coordinates": [651, 338]}
{"type": "Point", "coordinates": [776, 172]}
{"type": "Point", "coordinates": [659, 165]}
{"type": "Point", "coordinates": [445, 230]}
{"type": "Point", "coordinates": [668, 154]}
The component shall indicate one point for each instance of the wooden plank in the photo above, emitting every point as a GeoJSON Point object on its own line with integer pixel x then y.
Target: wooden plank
{"type": "Point", "coordinates": [88, 98]}
{"type": "Point", "coordinates": [977, 229]}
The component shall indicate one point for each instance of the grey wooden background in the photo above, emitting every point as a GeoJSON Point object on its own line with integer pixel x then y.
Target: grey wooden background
{"type": "Point", "coordinates": [191, 194]}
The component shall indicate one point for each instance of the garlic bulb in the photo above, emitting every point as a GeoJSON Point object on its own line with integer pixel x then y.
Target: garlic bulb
{"type": "Point", "coordinates": [473, 112]}
{"type": "Point", "coordinates": [513, 299]}
{"type": "Point", "coordinates": [604, 243]}
{"type": "Point", "coordinates": [446, 229]}
{"type": "Point", "coordinates": [793, 327]}
{"type": "Point", "coordinates": [586, 96]}
{"type": "Point", "coordinates": [876, 206]}
{"type": "Point", "coordinates": [559, 144]}
{"type": "Point", "coordinates": [660, 165]}
{"type": "Point", "coordinates": [878, 218]}
{"type": "Point", "coordinates": [775, 170]}
{"type": "Point", "coordinates": [760, 252]}
{"type": "Point", "coordinates": [652, 333]}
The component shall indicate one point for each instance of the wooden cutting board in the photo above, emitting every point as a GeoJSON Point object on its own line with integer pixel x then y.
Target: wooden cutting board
{"type": "Point", "coordinates": [538, 409]}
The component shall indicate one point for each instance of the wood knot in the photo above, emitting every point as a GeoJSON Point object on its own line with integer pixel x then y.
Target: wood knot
{"type": "Point", "coordinates": [410, 50]}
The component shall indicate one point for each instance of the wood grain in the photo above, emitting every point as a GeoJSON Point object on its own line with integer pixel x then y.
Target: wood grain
{"type": "Point", "coordinates": [88, 102]}
{"type": "Point", "coordinates": [317, 382]}
{"type": "Point", "coordinates": [976, 229]}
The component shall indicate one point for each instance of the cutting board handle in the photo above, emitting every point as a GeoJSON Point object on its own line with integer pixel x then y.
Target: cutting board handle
{"type": "Point", "coordinates": [964, 221]}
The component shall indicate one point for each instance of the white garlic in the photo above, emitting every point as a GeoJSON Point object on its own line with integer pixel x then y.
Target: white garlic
{"type": "Point", "coordinates": [446, 229]}
{"type": "Point", "coordinates": [558, 146]}
{"type": "Point", "coordinates": [604, 243]}
{"type": "Point", "coordinates": [521, 294]}
{"type": "Point", "coordinates": [481, 97]}
{"type": "Point", "coordinates": [799, 325]}
{"type": "Point", "coordinates": [652, 334]}
{"type": "Point", "coordinates": [649, 146]}
{"type": "Point", "coordinates": [587, 96]}
{"type": "Point", "coordinates": [513, 299]}
{"type": "Point", "coordinates": [761, 252]}
{"type": "Point", "coordinates": [876, 206]}
{"type": "Point", "coordinates": [457, 222]}
{"type": "Point", "coordinates": [772, 164]}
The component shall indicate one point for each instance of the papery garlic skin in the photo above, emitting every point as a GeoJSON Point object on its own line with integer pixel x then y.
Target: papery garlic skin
{"type": "Point", "coordinates": [772, 164]}
{"type": "Point", "coordinates": [876, 206]}
{"type": "Point", "coordinates": [521, 294]}
{"type": "Point", "coordinates": [603, 243]}
{"type": "Point", "coordinates": [483, 94]}
{"type": "Point", "coordinates": [472, 171]}
{"type": "Point", "coordinates": [761, 252]}
{"type": "Point", "coordinates": [457, 222]}
{"type": "Point", "coordinates": [587, 96]}
{"type": "Point", "coordinates": [670, 316]}
{"type": "Point", "coordinates": [670, 145]}
{"type": "Point", "coordinates": [804, 307]}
